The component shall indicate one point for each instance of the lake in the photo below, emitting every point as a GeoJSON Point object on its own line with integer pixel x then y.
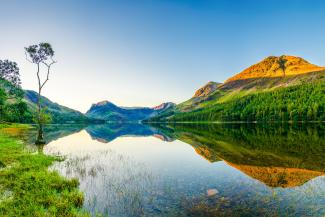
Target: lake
{"type": "Point", "coordinates": [194, 170]}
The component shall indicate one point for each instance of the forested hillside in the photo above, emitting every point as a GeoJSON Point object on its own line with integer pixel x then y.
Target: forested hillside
{"type": "Point", "coordinates": [304, 102]}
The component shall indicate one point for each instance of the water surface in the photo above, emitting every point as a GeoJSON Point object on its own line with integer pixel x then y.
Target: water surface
{"type": "Point", "coordinates": [195, 170]}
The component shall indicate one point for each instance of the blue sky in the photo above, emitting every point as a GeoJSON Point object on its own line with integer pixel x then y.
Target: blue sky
{"type": "Point", "coordinates": [145, 52]}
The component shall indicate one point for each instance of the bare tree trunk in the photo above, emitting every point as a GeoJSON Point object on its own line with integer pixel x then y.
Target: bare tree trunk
{"type": "Point", "coordinates": [40, 137]}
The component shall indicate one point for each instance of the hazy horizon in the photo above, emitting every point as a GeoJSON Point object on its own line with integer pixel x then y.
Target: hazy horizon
{"type": "Point", "coordinates": [144, 53]}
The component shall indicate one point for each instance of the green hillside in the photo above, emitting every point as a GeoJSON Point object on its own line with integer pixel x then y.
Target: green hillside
{"type": "Point", "coordinates": [58, 113]}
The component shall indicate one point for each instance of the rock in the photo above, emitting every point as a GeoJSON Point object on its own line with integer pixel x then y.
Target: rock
{"type": "Point", "coordinates": [164, 106]}
{"type": "Point", "coordinates": [211, 192]}
{"type": "Point", "coordinates": [207, 89]}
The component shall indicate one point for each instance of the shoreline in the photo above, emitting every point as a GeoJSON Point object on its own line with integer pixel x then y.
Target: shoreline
{"type": "Point", "coordinates": [28, 188]}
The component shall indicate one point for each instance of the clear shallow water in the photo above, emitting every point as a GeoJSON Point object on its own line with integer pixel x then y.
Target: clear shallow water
{"type": "Point", "coordinates": [194, 170]}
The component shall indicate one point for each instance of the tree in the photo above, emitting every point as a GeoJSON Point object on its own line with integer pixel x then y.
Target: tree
{"type": "Point", "coordinates": [9, 74]}
{"type": "Point", "coordinates": [10, 91]}
{"type": "Point", "coordinates": [282, 63]}
{"type": "Point", "coordinates": [41, 54]}
{"type": "Point", "coordinates": [9, 71]}
{"type": "Point", "coordinates": [3, 96]}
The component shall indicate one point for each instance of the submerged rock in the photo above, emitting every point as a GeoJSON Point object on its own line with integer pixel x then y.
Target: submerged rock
{"type": "Point", "coordinates": [212, 192]}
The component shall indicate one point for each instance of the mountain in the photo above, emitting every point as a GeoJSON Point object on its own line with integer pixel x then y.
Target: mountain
{"type": "Point", "coordinates": [284, 88]}
{"type": "Point", "coordinates": [274, 66]}
{"type": "Point", "coordinates": [273, 72]}
{"type": "Point", "coordinates": [108, 111]}
{"type": "Point", "coordinates": [59, 113]}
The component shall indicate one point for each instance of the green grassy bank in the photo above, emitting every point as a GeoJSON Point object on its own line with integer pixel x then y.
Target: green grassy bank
{"type": "Point", "coordinates": [28, 188]}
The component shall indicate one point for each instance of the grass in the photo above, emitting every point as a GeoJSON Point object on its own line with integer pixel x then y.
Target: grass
{"type": "Point", "coordinates": [6, 125]}
{"type": "Point", "coordinates": [28, 188]}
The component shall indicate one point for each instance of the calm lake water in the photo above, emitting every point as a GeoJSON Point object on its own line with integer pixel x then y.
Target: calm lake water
{"type": "Point", "coordinates": [195, 170]}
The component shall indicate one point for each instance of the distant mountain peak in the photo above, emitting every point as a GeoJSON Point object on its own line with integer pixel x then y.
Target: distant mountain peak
{"type": "Point", "coordinates": [101, 103]}
{"type": "Point", "coordinates": [164, 105]}
{"type": "Point", "coordinates": [277, 66]}
{"type": "Point", "coordinates": [207, 89]}
{"type": "Point", "coordinates": [108, 111]}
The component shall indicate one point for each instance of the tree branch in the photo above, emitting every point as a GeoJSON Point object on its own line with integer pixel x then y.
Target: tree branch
{"type": "Point", "coordinates": [48, 65]}
{"type": "Point", "coordinates": [27, 57]}
{"type": "Point", "coordinates": [39, 80]}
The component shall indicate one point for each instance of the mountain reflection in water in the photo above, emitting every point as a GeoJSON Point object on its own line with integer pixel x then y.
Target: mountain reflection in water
{"type": "Point", "coordinates": [241, 170]}
{"type": "Point", "coordinates": [279, 156]}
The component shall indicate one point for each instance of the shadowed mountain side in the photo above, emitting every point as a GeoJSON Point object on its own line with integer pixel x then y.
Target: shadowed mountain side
{"type": "Point", "coordinates": [108, 132]}
{"type": "Point", "coordinates": [291, 149]}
